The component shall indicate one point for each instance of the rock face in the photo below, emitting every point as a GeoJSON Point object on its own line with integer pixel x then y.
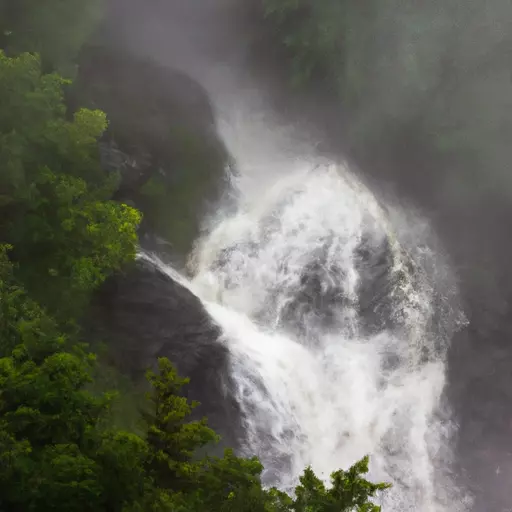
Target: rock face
{"type": "Point", "coordinates": [145, 314]}
{"type": "Point", "coordinates": [145, 103]}
{"type": "Point", "coordinates": [161, 137]}
{"type": "Point", "coordinates": [322, 296]}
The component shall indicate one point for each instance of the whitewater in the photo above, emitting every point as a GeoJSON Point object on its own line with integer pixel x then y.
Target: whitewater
{"type": "Point", "coordinates": [338, 313]}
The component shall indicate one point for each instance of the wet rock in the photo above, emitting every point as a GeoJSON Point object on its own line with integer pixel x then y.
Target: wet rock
{"type": "Point", "coordinates": [145, 314]}
{"type": "Point", "coordinates": [377, 284]}
{"type": "Point", "coordinates": [316, 305]}
{"type": "Point", "coordinates": [161, 137]}
{"type": "Point", "coordinates": [323, 302]}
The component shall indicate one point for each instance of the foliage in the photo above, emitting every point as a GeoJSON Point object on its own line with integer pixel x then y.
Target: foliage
{"type": "Point", "coordinates": [53, 194]}
{"type": "Point", "coordinates": [172, 439]}
{"type": "Point", "coordinates": [20, 317]}
{"type": "Point", "coordinates": [45, 416]}
{"type": "Point", "coordinates": [53, 28]}
{"type": "Point", "coordinates": [58, 452]}
{"type": "Point", "coordinates": [349, 491]}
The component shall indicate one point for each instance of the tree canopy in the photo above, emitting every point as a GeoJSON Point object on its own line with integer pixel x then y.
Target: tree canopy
{"type": "Point", "coordinates": [54, 197]}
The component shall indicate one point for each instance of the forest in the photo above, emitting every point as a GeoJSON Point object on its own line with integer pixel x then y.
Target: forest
{"type": "Point", "coordinates": [67, 225]}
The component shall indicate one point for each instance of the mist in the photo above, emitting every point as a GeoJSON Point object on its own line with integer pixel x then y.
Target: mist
{"type": "Point", "coordinates": [433, 130]}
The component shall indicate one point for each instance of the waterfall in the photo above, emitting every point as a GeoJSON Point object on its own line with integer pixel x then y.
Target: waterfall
{"type": "Point", "coordinates": [338, 313]}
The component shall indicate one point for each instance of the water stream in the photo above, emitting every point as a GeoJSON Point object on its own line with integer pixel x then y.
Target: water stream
{"type": "Point", "coordinates": [338, 315]}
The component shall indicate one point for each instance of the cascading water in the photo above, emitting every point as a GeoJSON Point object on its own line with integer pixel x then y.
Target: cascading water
{"type": "Point", "coordinates": [338, 318]}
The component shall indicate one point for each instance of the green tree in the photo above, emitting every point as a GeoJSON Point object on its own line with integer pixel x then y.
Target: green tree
{"type": "Point", "coordinates": [172, 437]}
{"type": "Point", "coordinates": [57, 451]}
{"type": "Point", "coordinates": [19, 316]}
{"type": "Point", "coordinates": [205, 483]}
{"type": "Point", "coordinates": [231, 483]}
{"type": "Point", "coordinates": [54, 197]}
{"type": "Point", "coordinates": [349, 491]}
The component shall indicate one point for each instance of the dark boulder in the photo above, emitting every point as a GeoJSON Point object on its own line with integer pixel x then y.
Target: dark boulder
{"type": "Point", "coordinates": [322, 301]}
{"type": "Point", "coordinates": [145, 314]}
{"type": "Point", "coordinates": [162, 137]}
{"type": "Point", "coordinates": [377, 288]}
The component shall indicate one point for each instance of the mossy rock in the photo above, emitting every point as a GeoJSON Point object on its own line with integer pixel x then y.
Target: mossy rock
{"type": "Point", "coordinates": [161, 134]}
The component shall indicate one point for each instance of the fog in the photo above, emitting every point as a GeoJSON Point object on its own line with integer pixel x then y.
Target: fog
{"type": "Point", "coordinates": [434, 73]}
